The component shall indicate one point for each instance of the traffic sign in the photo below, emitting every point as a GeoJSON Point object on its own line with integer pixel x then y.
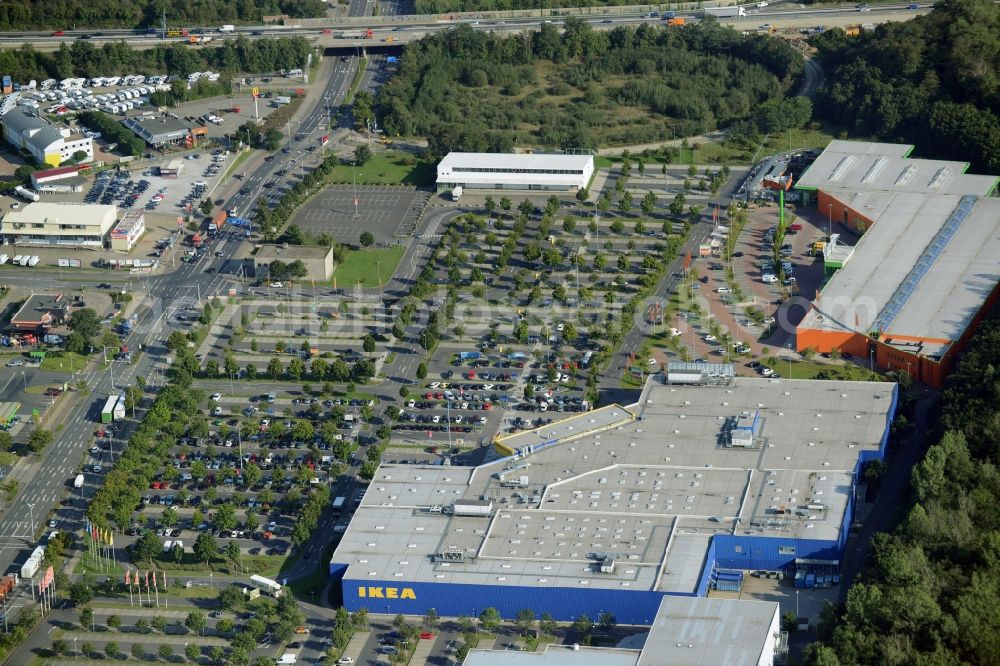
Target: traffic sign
{"type": "Point", "coordinates": [255, 92]}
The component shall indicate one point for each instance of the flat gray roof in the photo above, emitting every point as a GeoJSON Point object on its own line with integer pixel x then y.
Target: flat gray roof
{"type": "Point", "coordinates": [554, 655]}
{"type": "Point", "coordinates": [865, 165]}
{"type": "Point", "coordinates": [692, 631]}
{"type": "Point", "coordinates": [687, 631]}
{"type": "Point", "coordinates": [899, 282]}
{"type": "Point", "coordinates": [513, 161]}
{"type": "Point", "coordinates": [651, 490]}
{"type": "Point", "coordinates": [292, 252]}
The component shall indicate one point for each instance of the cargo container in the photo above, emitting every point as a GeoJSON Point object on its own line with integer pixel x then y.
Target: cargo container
{"type": "Point", "coordinates": [108, 412]}
{"type": "Point", "coordinates": [7, 584]}
{"type": "Point", "coordinates": [26, 194]}
{"type": "Point", "coordinates": [725, 12]}
{"type": "Point", "coordinates": [33, 563]}
{"type": "Point", "coordinates": [218, 221]}
{"type": "Point", "coordinates": [675, 21]}
{"type": "Point", "coordinates": [266, 585]}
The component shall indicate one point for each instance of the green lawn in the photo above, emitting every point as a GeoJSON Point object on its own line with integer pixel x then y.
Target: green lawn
{"type": "Point", "coordinates": [713, 152]}
{"type": "Point", "coordinates": [364, 266]}
{"type": "Point", "coordinates": [64, 362]}
{"type": "Point", "coordinates": [388, 168]}
{"type": "Point", "coordinates": [809, 370]}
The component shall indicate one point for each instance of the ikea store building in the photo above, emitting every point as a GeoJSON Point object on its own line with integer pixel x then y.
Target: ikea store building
{"type": "Point", "coordinates": [706, 477]}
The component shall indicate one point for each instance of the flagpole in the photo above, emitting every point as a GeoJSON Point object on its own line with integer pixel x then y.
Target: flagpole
{"type": "Point", "coordinates": [166, 595]}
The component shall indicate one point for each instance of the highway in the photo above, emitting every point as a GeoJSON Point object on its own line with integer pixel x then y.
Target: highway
{"type": "Point", "coordinates": [393, 29]}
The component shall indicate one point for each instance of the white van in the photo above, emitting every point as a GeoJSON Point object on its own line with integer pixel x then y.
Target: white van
{"type": "Point", "coordinates": [768, 278]}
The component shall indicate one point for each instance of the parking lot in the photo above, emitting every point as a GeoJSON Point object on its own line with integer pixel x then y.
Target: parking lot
{"type": "Point", "coordinates": [385, 212]}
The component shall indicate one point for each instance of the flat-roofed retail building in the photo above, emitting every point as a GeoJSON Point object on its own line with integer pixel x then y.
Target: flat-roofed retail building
{"type": "Point", "coordinates": [612, 509]}
{"type": "Point", "coordinates": [59, 224]}
{"type": "Point", "coordinates": [514, 171]}
{"type": "Point", "coordinates": [925, 269]}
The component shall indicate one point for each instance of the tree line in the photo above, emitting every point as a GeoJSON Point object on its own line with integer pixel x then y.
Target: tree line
{"type": "Point", "coordinates": [933, 81]}
{"type": "Point", "coordinates": [930, 592]}
{"type": "Point", "coordinates": [83, 14]}
{"type": "Point", "coordinates": [479, 91]}
{"type": "Point", "coordinates": [86, 59]}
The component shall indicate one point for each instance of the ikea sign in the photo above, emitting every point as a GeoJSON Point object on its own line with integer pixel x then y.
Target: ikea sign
{"type": "Point", "coordinates": [386, 593]}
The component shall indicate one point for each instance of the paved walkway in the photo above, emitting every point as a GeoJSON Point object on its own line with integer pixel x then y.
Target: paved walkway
{"type": "Point", "coordinates": [357, 644]}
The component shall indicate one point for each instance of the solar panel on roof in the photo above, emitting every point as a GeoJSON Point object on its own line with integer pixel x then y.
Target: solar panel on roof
{"type": "Point", "coordinates": [923, 265]}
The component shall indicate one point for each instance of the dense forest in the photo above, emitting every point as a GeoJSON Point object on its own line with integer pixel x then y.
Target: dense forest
{"type": "Point", "coordinates": [931, 590]}
{"type": "Point", "coordinates": [83, 14]}
{"type": "Point", "coordinates": [478, 91]}
{"type": "Point", "coordinates": [933, 81]}
{"type": "Point", "coordinates": [84, 59]}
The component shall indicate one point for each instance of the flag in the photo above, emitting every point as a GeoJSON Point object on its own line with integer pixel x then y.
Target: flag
{"type": "Point", "coordinates": [111, 539]}
{"type": "Point", "coordinates": [164, 579]}
{"type": "Point", "coordinates": [128, 578]}
{"type": "Point", "coordinates": [154, 582]}
{"type": "Point", "coordinates": [147, 580]}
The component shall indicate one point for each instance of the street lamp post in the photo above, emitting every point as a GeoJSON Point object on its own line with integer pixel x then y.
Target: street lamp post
{"type": "Point", "coordinates": [31, 519]}
{"type": "Point", "coordinates": [829, 221]}
{"type": "Point", "coordinates": [789, 360]}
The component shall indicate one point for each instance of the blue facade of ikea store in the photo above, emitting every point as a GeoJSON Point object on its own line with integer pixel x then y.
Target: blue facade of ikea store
{"type": "Point", "coordinates": [630, 605]}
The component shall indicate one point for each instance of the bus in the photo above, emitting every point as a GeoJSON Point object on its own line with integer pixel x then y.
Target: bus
{"type": "Point", "coordinates": [338, 504]}
{"type": "Point", "coordinates": [266, 585]}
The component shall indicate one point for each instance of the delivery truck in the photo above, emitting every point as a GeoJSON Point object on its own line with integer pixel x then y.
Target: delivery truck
{"type": "Point", "coordinates": [726, 12]}
{"type": "Point", "coordinates": [26, 194]}
{"type": "Point", "coordinates": [227, 28]}
{"type": "Point", "coordinates": [108, 412]}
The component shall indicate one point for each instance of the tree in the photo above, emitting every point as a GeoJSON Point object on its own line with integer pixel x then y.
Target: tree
{"type": "Point", "coordinates": [490, 619]}
{"type": "Point", "coordinates": [431, 619]}
{"type": "Point", "coordinates": [625, 202]}
{"type": "Point", "coordinates": [368, 344]}
{"type": "Point", "coordinates": [195, 621]}
{"type": "Point", "coordinates": [677, 205]}
{"type": "Point", "coordinates": [39, 439]}
{"type": "Point", "coordinates": [275, 367]}
{"type": "Point", "coordinates": [367, 239]}
{"type": "Point", "coordinates": [111, 649]}
{"type": "Point", "coordinates": [114, 621]}
{"type": "Point", "coordinates": [192, 651]}
{"type": "Point", "coordinates": [204, 547]}
{"type": "Point", "coordinates": [138, 651]}
{"type": "Point", "coordinates": [59, 647]}
{"type": "Point", "coordinates": [85, 322]}
{"type": "Point", "coordinates": [525, 620]}
{"type": "Point", "coordinates": [233, 552]}
{"type": "Point", "coordinates": [159, 623]}
{"type": "Point", "coordinates": [362, 154]}
{"type": "Point", "coordinates": [582, 195]}
{"type": "Point", "coordinates": [648, 203]}
{"type": "Point", "coordinates": [422, 370]}
{"type": "Point", "coordinates": [166, 651]}
{"type": "Point", "coordinates": [148, 546]}
{"type": "Point", "coordinates": [606, 621]}
{"type": "Point", "coordinates": [583, 625]}
{"type": "Point", "coordinates": [86, 618]}
{"type": "Point", "coordinates": [81, 591]}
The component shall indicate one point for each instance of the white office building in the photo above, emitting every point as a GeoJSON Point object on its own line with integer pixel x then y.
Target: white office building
{"type": "Point", "coordinates": [58, 224]}
{"type": "Point", "coordinates": [509, 171]}
{"type": "Point", "coordinates": [48, 143]}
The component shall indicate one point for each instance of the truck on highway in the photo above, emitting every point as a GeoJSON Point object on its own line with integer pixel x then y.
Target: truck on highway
{"type": "Point", "coordinates": [78, 481]}
{"type": "Point", "coordinates": [227, 28]}
{"type": "Point", "coordinates": [7, 584]}
{"type": "Point", "coordinates": [726, 12]}
{"type": "Point", "coordinates": [675, 21]}
{"type": "Point", "coordinates": [33, 563]}
{"type": "Point", "coordinates": [218, 221]}
{"type": "Point", "coordinates": [26, 194]}
{"type": "Point", "coordinates": [108, 412]}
